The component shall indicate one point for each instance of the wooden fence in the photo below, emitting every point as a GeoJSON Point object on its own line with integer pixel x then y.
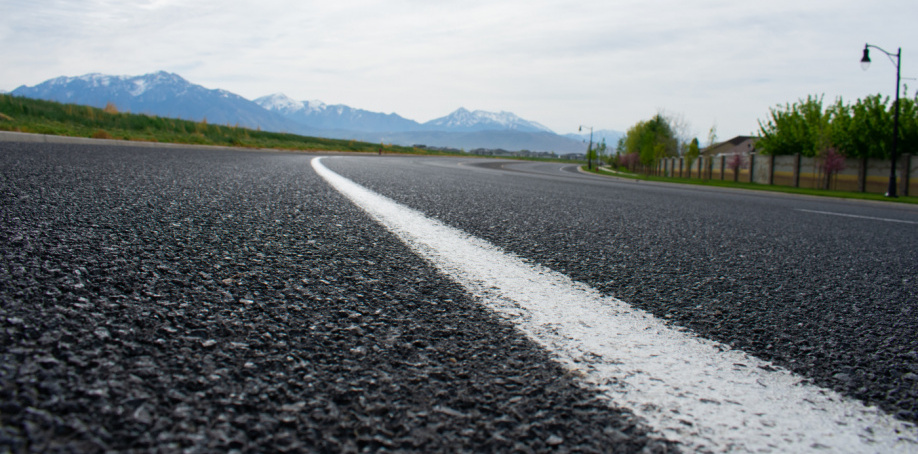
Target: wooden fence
{"type": "Point", "coordinates": [858, 175]}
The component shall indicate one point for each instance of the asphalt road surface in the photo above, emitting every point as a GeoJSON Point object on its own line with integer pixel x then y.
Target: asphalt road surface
{"type": "Point", "coordinates": [213, 300]}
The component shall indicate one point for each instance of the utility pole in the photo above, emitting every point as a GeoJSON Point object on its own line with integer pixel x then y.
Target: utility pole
{"type": "Point", "coordinates": [865, 63]}
{"type": "Point", "coordinates": [589, 148]}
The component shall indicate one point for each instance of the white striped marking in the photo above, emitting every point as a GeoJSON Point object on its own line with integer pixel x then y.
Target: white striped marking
{"type": "Point", "coordinates": [857, 216]}
{"type": "Point", "coordinates": [688, 389]}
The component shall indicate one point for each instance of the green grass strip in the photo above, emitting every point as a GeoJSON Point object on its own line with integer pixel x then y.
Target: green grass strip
{"type": "Point", "coordinates": [757, 187]}
{"type": "Point", "coordinates": [47, 117]}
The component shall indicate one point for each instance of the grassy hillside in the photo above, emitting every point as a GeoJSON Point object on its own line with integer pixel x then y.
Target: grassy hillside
{"type": "Point", "coordinates": [47, 117]}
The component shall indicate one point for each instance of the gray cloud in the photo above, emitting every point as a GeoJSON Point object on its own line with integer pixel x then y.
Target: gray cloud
{"type": "Point", "coordinates": [608, 64]}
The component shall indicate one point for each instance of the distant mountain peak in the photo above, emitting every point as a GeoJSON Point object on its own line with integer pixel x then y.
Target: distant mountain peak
{"type": "Point", "coordinates": [481, 120]}
{"type": "Point", "coordinates": [160, 93]}
{"type": "Point", "coordinates": [315, 105]}
{"type": "Point", "coordinates": [288, 106]}
{"type": "Point", "coordinates": [280, 102]}
{"type": "Point", "coordinates": [135, 85]}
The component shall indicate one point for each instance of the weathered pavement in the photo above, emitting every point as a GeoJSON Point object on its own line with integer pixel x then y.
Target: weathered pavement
{"type": "Point", "coordinates": [831, 297]}
{"type": "Point", "coordinates": [166, 300]}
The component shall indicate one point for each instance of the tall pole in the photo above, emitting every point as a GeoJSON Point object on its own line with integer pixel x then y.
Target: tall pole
{"type": "Point", "coordinates": [590, 149]}
{"type": "Point", "coordinates": [891, 190]}
{"type": "Point", "coordinates": [865, 62]}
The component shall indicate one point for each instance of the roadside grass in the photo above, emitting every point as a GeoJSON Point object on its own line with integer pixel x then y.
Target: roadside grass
{"type": "Point", "coordinates": [47, 117]}
{"type": "Point", "coordinates": [757, 187]}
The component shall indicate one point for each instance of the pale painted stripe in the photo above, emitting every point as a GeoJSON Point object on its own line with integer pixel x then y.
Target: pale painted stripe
{"type": "Point", "coordinates": [688, 389]}
{"type": "Point", "coordinates": [858, 216]}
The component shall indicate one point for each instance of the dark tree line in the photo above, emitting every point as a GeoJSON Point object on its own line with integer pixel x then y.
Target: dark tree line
{"type": "Point", "coordinates": [860, 130]}
{"type": "Point", "coordinates": [841, 130]}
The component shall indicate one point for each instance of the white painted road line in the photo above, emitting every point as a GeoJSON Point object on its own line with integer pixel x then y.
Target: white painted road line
{"type": "Point", "coordinates": [857, 216]}
{"type": "Point", "coordinates": [688, 389]}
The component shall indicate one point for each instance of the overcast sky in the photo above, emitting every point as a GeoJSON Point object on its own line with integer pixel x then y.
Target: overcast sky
{"type": "Point", "coordinates": [607, 64]}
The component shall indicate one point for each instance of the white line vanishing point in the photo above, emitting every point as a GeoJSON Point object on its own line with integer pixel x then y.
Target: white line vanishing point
{"type": "Point", "coordinates": [688, 389]}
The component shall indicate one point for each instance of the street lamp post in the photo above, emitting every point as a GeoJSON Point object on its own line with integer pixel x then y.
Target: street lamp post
{"type": "Point", "coordinates": [865, 63]}
{"type": "Point", "coordinates": [589, 148]}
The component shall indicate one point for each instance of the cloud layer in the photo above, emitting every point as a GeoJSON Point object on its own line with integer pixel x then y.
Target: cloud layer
{"type": "Point", "coordinates": [596, 63]}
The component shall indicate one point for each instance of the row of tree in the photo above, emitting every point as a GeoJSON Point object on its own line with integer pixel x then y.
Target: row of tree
{"type": "Point", "coordinates": [860, 130]}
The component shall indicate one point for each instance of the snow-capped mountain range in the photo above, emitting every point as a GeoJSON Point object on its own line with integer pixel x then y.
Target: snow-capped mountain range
{"type": "Point", "coordinates": [479, 120]}
{"type": "Point", "coordinates": [162, 94]}
{"type": "Point", "coordinates": [321, 115]}
{"type": "Point", "coordinates": [170, 95]}
{"type": "Point", "coordinates": [335, 117]}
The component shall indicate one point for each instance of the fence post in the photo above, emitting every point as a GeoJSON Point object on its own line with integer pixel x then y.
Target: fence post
{"type": "Point", "coordinates": [862, 174]}
{"type": "Point", "coordinates": [797, 170]}
{"type": "Point", "coordinates": [723, 166]}
{"type": "Point", "coordinates": [771, 170]}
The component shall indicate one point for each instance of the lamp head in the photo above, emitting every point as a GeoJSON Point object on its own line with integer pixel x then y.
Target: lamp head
{"type": "Point", "coordinates": [865, 60]}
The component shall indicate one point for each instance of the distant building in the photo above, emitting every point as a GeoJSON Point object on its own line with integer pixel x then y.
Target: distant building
{"type": "Point", "coordinates": [499, 152]}
{"type": "Point", "coordinates": [738, 145]}
{"type": "Point", "coordinates": [443, 149]}
{"type": "Point", "coordinates": [535, 154]}
{"type": "Point", "coordinates": [492, 152]}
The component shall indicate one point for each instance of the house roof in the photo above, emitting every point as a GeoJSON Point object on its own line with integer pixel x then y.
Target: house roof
{"type": "Point", "coordinates": [728, 146]}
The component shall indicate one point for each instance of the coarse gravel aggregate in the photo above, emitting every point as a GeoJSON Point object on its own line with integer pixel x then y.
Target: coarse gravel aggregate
{"type": "Point", "coordinates": [834, 299]}
{"type": "Point", "coordinates": [177, 300]}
